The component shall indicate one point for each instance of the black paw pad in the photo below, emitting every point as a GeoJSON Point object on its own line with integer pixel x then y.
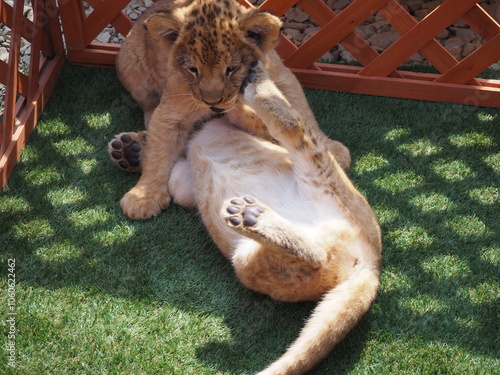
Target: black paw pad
{"type": "Point", "coordinates": [116, 155]}
{"type": "Point", "coordinates": [117, 145]}
{"type": "Point", "coordinates": [126, 138]}
{"type": "Point", "coordinates": [126, 152]}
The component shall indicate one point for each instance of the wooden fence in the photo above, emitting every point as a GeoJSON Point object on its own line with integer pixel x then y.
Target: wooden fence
{"type": "Point", "coordinates": [380, 74]}
{"type": "Point", "coordinates": [27, 92]}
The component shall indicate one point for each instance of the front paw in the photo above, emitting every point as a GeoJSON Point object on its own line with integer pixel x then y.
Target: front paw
{"type": "Point", "coordinates": [143, 203]}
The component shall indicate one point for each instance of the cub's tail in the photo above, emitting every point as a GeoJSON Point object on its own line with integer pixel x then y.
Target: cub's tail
{"type": "Point", "coordinates": [336, 314]}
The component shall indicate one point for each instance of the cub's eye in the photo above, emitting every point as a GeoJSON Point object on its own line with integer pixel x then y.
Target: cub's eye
{"type": "Point", "coordinates": [231, 69]}
{"type": "Point", "coordinates": [193, 70]}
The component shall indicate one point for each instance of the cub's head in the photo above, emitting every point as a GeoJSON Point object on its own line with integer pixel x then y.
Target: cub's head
{"type": "Point", "coordinates": [212, 44]}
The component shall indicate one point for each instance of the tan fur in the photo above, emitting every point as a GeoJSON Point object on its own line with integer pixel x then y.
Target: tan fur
{"type": "Point", "coordinates": [185, 59]}
{"type": "Point", "coordinates": [287, 217]}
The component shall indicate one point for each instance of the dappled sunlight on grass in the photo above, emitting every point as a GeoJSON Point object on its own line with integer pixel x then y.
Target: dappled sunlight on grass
{"type": "Point", "coordinates": [432, 202]}
{"type": "Point", "coordinates": [156, 296]}
{"type": "Point", "coordinates": [57, 252]}
{"type": "Point", "coordinates": [423, 304]}
{"type": "Point", "coordinates": [491, 255]}
{"type": "Point", "coordinates": [89, 217]}
{"type": "Point", "coordinates": [74, 147]}
{"type": "Point", "coordinates": [393, 279]}
{"type": "Point", "coordinates": [484, 293]}
{"type": "Point", "coordinates": [385, 214]}
{"type": "Point", "coordinates": [487, 116]}
{"type": "Point", "coordinates": [452, 170]}
{"type": "Point", "coordinates": [399, 181]}
{"type": "Point", "coordinates": [97, 121]}
{"type": "Point", "coordinates": [493, 161]}
{"type": "Point", "coordinates": [468, 226]}
{"type": "Point", "coordinates": [446, 267]}
{"type": "Point", "coordinates": [42, 175]}
{"type": "Point", "coordinates": [471, 139]}
{"type": "Point", "coordinates": [486, 195]}
{"type": "Point", "coordinates": [14, 205]}
{"type": "Point", "coordinates": [66, 195]}
{"type": "Point", "coordinates": [120, 233]}
{"type": "Point", "coordinates": [35, 230]}
{"type": "Point", "coordinates": [370, 162]}
{"type": "Point", "coordinates": [420, 147]}
{"type": "Point", "coordinates": [410, 238]}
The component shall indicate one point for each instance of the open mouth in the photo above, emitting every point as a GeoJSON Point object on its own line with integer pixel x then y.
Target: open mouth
{"type": "Point", "coordinates": [217, 110]}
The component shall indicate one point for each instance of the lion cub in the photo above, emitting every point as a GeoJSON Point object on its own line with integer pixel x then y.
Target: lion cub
{"type": "Point", "coordinates": [287, 217]}
{"type": "Point", "coordinates": [184, 61]}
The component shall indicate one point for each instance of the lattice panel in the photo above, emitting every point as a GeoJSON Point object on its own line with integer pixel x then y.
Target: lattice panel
{"type": "Point", "coordinates": [457, 81]}
{"type": "Point", "coordinates": [379, 74]}
{"type": "Point", "coordinates": [27, 92]}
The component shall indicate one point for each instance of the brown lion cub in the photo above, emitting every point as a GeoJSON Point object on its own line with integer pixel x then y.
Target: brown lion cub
{"type": "Point", "coordinates": [185, 61]}
{"type": "Point", "coordinates": [287, 217]}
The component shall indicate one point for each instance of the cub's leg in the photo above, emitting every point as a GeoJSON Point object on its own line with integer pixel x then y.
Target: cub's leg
{"type": "Point", "coordinates": [315, 167]}
{"type": "Point", "coordinates": [181, 184]}
{"type": "Point", "coordinates": [247, 216]}
{"type": "Point", "coordinates": [125, 150]}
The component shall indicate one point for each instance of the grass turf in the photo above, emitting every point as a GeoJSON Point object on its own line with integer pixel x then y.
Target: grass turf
{"type": "Point", "coordinates": [97, 293]}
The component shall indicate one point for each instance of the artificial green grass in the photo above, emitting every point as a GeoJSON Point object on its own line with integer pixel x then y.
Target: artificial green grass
{"type": "Point", "coordinates": [97, 293]}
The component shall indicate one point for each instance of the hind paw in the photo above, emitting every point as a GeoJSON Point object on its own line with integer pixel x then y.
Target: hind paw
{"type": "Point", "coordinates": [125, 150]}
{"type": "Point", "coordinates": [243, 212]}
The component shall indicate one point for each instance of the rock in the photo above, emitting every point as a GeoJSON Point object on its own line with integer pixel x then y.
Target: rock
{"type": "Point", "coordinates": [413, 5]}
{"type": "Point", "coordinates": [421, 13]}
{"type": "Point", "coordinates": [364, 31]}
{"type": "Point", "coordinates": [460, 23]}
{"type": "Point", "coordinates": [452, 42]}
{"type": "Point", "coordinates": [104, 37]}
{"type": "Point", "coordinates": [443, 34]}
{"type": "Point", "coordinates": [431, 5]}
{"type": "Point", "coordinates": [469, 48]}
{"type": "Point", "coordinates": [383, 40]}
{"type": "Point", "coordinates": [465, 35]}
{"type": "Point", "coordinates": [301, 26]}
{"type": "Point", "coordinates": [493, 10]}
{"type": "Point", "coordinates": [339, 5]}
{"type": "Point", "coordinates": [296, 14]}
{"type": "Point", "coordinates": [327, 57]}
{"type": "Point", "coordinates": [309, 32]}
{"type": "Point", "coordinates": [347, 57]}
{"type": "Point", "coordinates": [415, 58]}
{"type": "Point", "coordinates": [4, 54]}
{"type": "Point", "coordinates": [25, 62]}
{"type": "Point", "coordinates": [293, 34]}
{"type": "Point", "coordinates": [456, 52]}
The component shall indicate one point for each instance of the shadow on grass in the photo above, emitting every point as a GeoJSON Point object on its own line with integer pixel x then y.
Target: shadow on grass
{"type": "Point", "coordinates": [430, 171]}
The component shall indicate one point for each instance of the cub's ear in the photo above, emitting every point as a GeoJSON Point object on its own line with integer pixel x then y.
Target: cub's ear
{"type": "Point", "coordinates": [163, 25]}
{"type": "Point", "coordinates": [261, 29]}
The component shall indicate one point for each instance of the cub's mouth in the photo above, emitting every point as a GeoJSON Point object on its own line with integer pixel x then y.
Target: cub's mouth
{"type": "Point", "coordinates": [217, 110]}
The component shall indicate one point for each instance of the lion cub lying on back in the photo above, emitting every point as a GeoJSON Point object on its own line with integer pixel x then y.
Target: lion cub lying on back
{"type": "Point", "coordinates": [287, 217]}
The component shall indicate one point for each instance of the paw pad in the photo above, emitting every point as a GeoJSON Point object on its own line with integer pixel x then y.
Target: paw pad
{"type": "Point", "coordinates": [244, 211]}
{"type": "Point", "coordinates": [126, 152]}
